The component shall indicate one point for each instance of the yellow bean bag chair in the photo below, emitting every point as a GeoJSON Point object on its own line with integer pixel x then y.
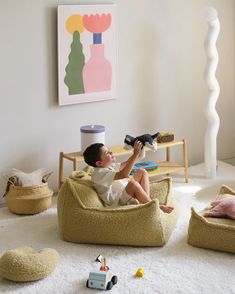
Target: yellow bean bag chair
{"type": "Point", "coordinates": [82, 218]}
{"type": "Point", "coordinates": [24, 264]}
{"type": "Point", "coordinates": [212, 232]}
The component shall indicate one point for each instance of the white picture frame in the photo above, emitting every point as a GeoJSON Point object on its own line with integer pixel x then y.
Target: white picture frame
{"type": "Point", "coordinates": [86, 53]}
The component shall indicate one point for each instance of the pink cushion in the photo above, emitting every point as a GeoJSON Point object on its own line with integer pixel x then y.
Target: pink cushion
{"type": "Point", "coordinates": [222, 208]}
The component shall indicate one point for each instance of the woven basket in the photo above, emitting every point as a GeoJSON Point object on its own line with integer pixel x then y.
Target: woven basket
{"type": "Point", "coordinates": [29, 200]}
{"type": "Point", "coordinates": [165, 138]}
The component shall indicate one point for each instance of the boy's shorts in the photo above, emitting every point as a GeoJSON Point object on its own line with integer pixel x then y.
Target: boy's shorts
{"type": "Point", "coordinates": [126, 199]}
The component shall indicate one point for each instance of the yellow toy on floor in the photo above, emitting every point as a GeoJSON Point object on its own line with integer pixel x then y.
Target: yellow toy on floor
{"type": "Point", "coordinates": [140, 272]}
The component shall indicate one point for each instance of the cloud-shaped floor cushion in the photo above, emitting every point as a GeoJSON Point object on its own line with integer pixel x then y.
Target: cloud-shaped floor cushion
{"type": "Point", "coordinates": [24, 264]}
{"type": "Point", "coordinates": [222, 208]}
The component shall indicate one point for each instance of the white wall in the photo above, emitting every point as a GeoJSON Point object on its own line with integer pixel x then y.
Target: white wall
{"type": "Point", "coordinates": [160, 81]}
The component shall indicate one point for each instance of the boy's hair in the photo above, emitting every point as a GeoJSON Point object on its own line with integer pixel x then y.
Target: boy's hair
{"type": "Point", "coordinates": [92, 154]}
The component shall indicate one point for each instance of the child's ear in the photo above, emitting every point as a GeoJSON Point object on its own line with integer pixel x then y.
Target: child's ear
{"type": "Point", "coordinates": [99, 163]}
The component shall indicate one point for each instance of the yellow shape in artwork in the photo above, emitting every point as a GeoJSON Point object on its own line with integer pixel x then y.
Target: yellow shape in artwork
{"type": "Point", "coordinates": [75, 23]}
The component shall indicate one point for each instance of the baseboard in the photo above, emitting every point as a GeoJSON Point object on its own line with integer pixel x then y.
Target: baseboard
{"type": "Point", "coordinates": [230, 160]}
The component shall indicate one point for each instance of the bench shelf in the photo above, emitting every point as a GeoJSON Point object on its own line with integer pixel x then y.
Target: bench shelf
{"type": "Point", "coordinates": [164, 168]}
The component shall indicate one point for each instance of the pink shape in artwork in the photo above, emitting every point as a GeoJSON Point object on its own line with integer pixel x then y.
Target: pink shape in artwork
{"type": "Point", "coordinates": [97, 23]}
{"type": "Point", "coordinates": [97, 72]}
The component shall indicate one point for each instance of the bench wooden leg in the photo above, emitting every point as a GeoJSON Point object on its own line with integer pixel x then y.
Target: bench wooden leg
{"type": "Point", "coordinates": [185, 156]}
{"type": "Point", "coordinates": [74, 164]}
{"type": "Point", "coordinates": [168, 154]}
{"type": "Point", "coordinates": [61, 168]}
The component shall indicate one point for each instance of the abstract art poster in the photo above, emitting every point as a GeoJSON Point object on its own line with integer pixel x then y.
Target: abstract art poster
{"type": "Point", "coordinates": [86, 53]}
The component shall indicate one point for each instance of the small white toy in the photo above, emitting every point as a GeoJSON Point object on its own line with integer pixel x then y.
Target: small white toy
{"type": "Point", "coordinates": [101, 279]}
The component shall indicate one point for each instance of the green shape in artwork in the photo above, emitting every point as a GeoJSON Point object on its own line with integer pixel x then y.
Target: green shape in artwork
{"type": "Point", "coordinates": [73, 78]}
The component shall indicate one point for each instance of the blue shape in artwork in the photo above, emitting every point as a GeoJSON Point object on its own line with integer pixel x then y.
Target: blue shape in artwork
{"type": "Point", "coordinates": [97, 38]}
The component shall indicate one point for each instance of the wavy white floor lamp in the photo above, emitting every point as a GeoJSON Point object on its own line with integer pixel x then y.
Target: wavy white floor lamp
{"type": "Point", "coordinates": [212, 117]}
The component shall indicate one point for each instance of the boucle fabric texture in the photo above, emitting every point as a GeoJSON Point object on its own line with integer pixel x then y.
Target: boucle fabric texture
{"type": "Point", "coordinates": [82, 218]}
{"type": "Point", "coordinates": [210, 232]}
{"type": "Point", "coordinates": [24, 264]}
{"type": "Point", "coordinates": [29, 200]}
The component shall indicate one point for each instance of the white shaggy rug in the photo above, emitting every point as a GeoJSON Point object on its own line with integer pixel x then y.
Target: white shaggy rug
{"type": "Point", "coordinates": [175, 268]}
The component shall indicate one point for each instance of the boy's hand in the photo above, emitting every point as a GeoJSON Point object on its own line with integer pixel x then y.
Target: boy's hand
{"type": "Point", "coordinates": [137, 147]}
{"type": "Point", "coordinates": [127, 166]}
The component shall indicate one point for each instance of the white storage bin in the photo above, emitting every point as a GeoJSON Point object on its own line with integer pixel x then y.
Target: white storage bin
{"type": "Point", "coordinates": [91, 134]}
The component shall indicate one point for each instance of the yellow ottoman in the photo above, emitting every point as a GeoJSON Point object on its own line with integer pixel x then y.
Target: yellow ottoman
{"type": "Point", "coordinates": [210, 232]}
{"type": "Point", "coordinates": [82, 218]}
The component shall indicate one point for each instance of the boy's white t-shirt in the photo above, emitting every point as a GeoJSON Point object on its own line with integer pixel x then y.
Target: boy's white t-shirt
{"type": "Point", "coordinates": [108, 189]}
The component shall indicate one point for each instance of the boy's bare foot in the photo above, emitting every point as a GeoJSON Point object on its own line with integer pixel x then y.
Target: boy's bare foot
{"type": "Point", "coordinates": [166, 209]}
